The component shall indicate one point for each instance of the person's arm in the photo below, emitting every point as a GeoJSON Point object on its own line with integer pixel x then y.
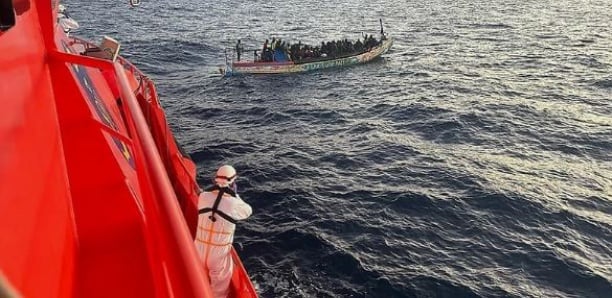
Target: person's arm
{"type": "Point", "coordinates": [242, 210]}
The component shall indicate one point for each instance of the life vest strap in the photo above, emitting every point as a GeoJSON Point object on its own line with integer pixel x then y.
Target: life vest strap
{"type": "Point", "coordinates": [218, 212]}
{"type": "Point", "coordinates": [226, 190]}
{"type": "Point", "coordinates": [215, 208]}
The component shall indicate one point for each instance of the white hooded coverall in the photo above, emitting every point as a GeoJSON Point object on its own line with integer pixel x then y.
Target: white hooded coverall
{"type": "Point", "coordinates": [214, 238]}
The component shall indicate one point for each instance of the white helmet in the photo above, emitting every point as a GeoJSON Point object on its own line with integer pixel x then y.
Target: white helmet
{"type": "Point", "coordinates": [225, 176]}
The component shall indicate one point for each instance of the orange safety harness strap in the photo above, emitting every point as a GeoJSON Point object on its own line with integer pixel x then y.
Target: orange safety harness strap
{"type": "Point", "coordinates": [213, 244]}
{"type": "Point", "coordinates": [214, 231]}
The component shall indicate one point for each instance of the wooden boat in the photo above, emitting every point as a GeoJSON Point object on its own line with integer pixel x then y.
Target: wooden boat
{"type": "Point", "coordinates": [96, 197]}
{"type": "Point", "coordinates": [239, 68]}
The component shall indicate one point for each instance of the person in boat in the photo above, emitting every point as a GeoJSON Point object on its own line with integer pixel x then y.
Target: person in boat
{"type": "Point", "coordinates": [370, 42]}
{"type": "Point", "coordinates": [266, 54]}
{"type": "Point", "coordinates": [281, 53]}
{"type": "Point", "coordinates": [277, 45]}
{"type": "Point", "coordinates": [239, 49]}
{"type": "Point", "coordinates": [358, 46]}
{"type": "Point", "coordinates": [293, 51]}
{"type": "Point", "coordinates": [270, 53]}
{"type": "Point", "coordinates": [265, 46]}
{"type": "Point", "coordinates": [220, 207]}
{"type": "Point", "coordinates": [348, 47]}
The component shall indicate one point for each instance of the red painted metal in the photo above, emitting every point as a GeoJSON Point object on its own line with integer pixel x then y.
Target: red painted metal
{"type": "Point", "coordinates": [37, 235]}
{"type": "Point", "coordinates": [182, 170]}
{"type": "Point", "coordinates": [82, 60]}
{"type": "Point", "coordinates": [90, 188]}
{"type": "Point", "coordinates": [241, 285]}
{"type": "Point", "coordinates": [187, 266]}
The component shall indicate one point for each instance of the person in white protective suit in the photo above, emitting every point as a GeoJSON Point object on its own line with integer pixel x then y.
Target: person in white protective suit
{"type": "Point", "coordinates": [220, 208]}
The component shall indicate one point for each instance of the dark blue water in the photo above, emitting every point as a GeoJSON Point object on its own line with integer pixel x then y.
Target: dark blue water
{"type": "Point", "coordinates": [473, 160]}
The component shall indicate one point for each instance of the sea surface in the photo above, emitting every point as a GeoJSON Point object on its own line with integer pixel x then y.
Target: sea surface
{"type": "Point", "coordinates": [472, 160]}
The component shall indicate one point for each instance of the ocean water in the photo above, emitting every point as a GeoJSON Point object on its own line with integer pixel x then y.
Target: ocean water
{"type": "Point", "coordinates": [472, 160]}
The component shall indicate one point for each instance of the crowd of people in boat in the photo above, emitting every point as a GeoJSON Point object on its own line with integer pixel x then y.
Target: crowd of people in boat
{"type": "Point", "coordinates": [280, 51]}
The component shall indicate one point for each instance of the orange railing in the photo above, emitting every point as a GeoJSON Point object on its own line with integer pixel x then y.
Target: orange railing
{"type": "Point", "coordinates": [146, 94]}
{"type": "Point", "coordinates": [177, 270]}
{"type": "Point", "coordinates": [241, 284]}
{"type": "Point", "coordinates": [147, 89]}
{"type": "Point", "coordinates": [186, 263]}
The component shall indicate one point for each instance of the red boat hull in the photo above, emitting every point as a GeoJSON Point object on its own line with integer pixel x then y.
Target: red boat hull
{"type": "Point", "coordinates": [96, 198]}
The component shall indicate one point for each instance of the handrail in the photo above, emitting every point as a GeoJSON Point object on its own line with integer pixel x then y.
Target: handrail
{"type": "Point", "coordinates": [180, 242]}
{"type": "Point", "coordinates": [147, 89]}
{"type": "Point", "coordinates": [180, 266]}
